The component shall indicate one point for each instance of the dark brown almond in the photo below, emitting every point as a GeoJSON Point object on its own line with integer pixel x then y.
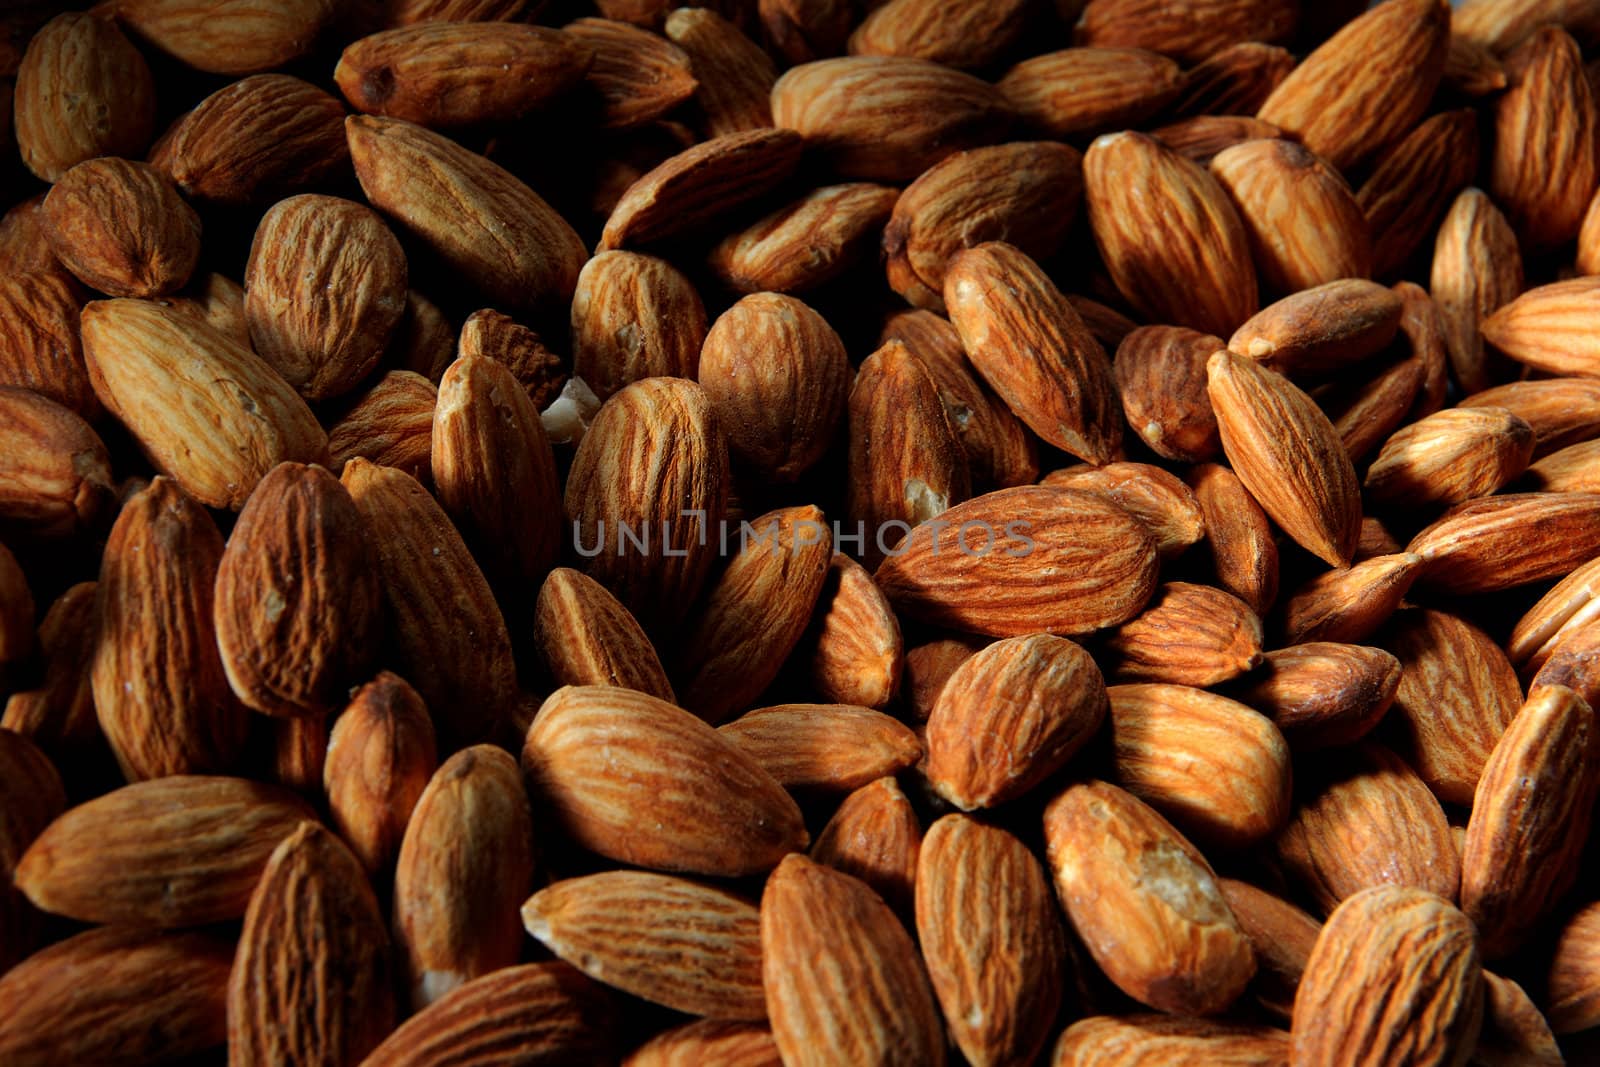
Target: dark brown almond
{"type": "Point", "coordinates": [735, 75]}
{"type": "Point", "coordinates": [586, 637]}
{"type": "Point", "coordinates": [875, 836]}
{"type": "Point", "coordinates": [1322, 330]}
{"type": "Point", "coordinates": [806, 243]}
{"type": "Point", "coordinates": [121, 227]}
{"type": "Point", "coordinates": [1349, 604]}
{"type": "Point", "coordinates": [390, 424]}
{"type": "Point", "coordinates": [1161, 375]}
{"type": "Point", "coordinates": [634, 317]}
{"type": "Point", "coordinates": [1154, 496]}
{"type": "Point", "coordinates": [1322, 694]}
{"type": "Point", "coordinates": [1240, 538]}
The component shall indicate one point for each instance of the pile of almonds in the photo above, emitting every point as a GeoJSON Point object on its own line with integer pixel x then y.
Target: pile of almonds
{"type": "Point", "coordinates": [806, 532]}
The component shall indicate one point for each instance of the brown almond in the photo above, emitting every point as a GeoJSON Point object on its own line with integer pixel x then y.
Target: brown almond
{"type": "Point", "coordinates": [1168, 1040]}
{"type": "Point", "coordinates": [852, 649]}
{"type": "Point", "coordinates": [721, 1041]}
{"type": "Point", "coordinates": [875, 836]}
{"type": "Point", "coordinates": [1504, 541]}
{"type": "Point", "coordinates": [807, 242]}
{"type": "Point", "coordinates": [390, 424]}
{"type": "Point", "coordinates": [1453, 455]}
{"type": "Point", "coordinates": [59, 714]}
{"type": "Point", "coordinates": [831, 747]}
{"type": "Point", "coordinates": [1563, 611]}
{"type": "Point", "coordinates": [586, 637]}
{"type": "Point", "coordinates": [1188, 634]}
{"type": "Point", "coordinates": [1414, 184]}
{"type": "Point", "coordinates": [1151, 494]}
{"type": "Point", "coordinates": [801, 31]}
{"type": "Point", "coordinates": [1234, 80]}
{"type": "Point", "coordinates": [1322, 694]}
{"type": "Point", "coordinates": [1349, 604]}
{"type": "Point", "coordinates": [55, 472]}
{"type": "Point", "coordinates": [1282, 936]}
{"type": "Point", "coordinates": [494, 335]}
{"type": "Point", "coordinates": [236, 37]}
{"type": "Point", "coordinates": [1574, 981]}
{"type": "Point", "coordinates": [39, 345]}
{"type": "Point", "coordinates": [1086, 91]}
{"type": "Point", "coordinates": [968, 34]}
{"type": "Point", "coordinates": [1240, 538]}
{"type": "Point", "coordinates": [1202, 138]}
{"type": "Point", "coordinates": [1161, 375]}
{"type": "Point", "coordinates": [735, 75]}
{"type": "Point", "coordinates": [122, 228]}
{"type": "Point", "coordinates": [636, 75]}
{"type": "Point", "coordinates": [1477, 269]}
{"type": "Point", "coordinates": [33, 796]}
{"type": "Point", "coordinates": [1189, 34]}
{"type": "Point", "coordinates": [1543, 329]}
{"type": "Point", "coordinates": [634, 317]}
{"type": "Point", "coordinates": [1322, 330]}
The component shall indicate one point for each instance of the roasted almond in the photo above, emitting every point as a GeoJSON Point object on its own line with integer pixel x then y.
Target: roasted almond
{"type": "Point", "coordinates": [636, 75]}
{"type": "Point", "coordinates": [236, 37]}
{"type": "Point", "coordinates": [1501, 542]}
{"type": "Point", "coordinates": [390, 424]}
{"type": "Point", "coordinates": [1189, 34]}
{"type": "Point", "coordinates": [1543, 328]}
{"type": "Point", "coordinates": [634, 317]}
{"type": "Point", "coordinates": [1166, 1039]}
{"type": "Point", "coordinates": [1189, 634]}
{"type": "Point", "coordinates": [734, 73]}
{"type": "Point", "coordinates": [968, 34]}
{"type": "Point", "coordinates": [1451, 456]}
{"type": "Point", "coordinates": [55, 472]}
{"type": "Point", "coordinates": [122, 228]}
{"type": "Point", "coordinates": [1350, 603]}
{"type": "Point", "coordinates": [39, 345]}
{"type": "Point", "coordinates": [1477, 269]}
{"type": "Point", "coordinates": [1161, 375]}
{"type": "Point", "coordinates": [1321, 330]}
{"type": "Point", "coordinates": [1154, 496]}
{"type": "Point", "coordinates": [586, 637]}
{"type": "Point", "coordinates": [807, 242]}
{"type": "Point", "coordinates": [852, 649]}
{"type": "Point", "coordinates": [1322, 693]}
{"type": "Point", "coordinates": [1414, 183]}
{"type": "Point", "coordinates": [875, 836]}
{"type": "Point", "coordinates": [832, 747]}
{"type": "Point", "coordinates": [1087, 91]}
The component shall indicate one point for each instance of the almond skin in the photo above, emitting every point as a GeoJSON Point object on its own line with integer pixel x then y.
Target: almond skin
{"type": "Point", "coordinates": [1161, 375]}
{"type": "Point", "coordinates": [1394, 973]}
{"type": "Point", "coordinates": [805, 243]}
{"type": "Point", "coordinates": [208, 412]}
{"type": "Point", "coordinates": [1321, 330]}
{"type": "Point", "coordinates": [1235, 80]}
{"type": "Point", "coordinates": [177, 851]}
{"type": "Point", "coordinates": [122, 228]}
{"type": "Point", "coordinates": [1036, 578]}
{"type": "Point", "coordinates": [1566, 609]}
{"type": "Point", "coordinates": [1145, 902]}
{"type": "Point", "coordinates": [1243, 551]}
{"type": "Point", "coordinates": [1189, 634]}
{"type": "Point", "coordinates": [1322, 693]}
{"type": "Point", "coordinates": [1033, 349]}
{"type": "Point", "coordinates": [634, 317]}
{"type": "Point", "coordinates": [992, 940]}
{"type": "Point", "coordinates": [300, 550]}
{"type": "Point", "coordinates": [465, 866]}
{"type": "Point", "coordinates": [887, 118]}
{"type": "Point", "coordinates": [475, 216]}
{"type": "Point", "coordinates": [717, 811]}
{"type": "Point", "coordinates": [390, 424]}
{"type": "Point", "coordinates": [1086, 91]}
{"type": "Point", "coordinates": [875, 836]}
{"type": "Point", "coordinates": [734, 73]}
{"type": "Point", "coordinates": [967, 35]}
{"type": "Point", "coordinates": [1169, 1040]}
{"type": "Point", "coordinates": [732, 1044]}
{"type": "Point", "coordinates": [33, 796]}
{"type": "Point", "coordinates": [842, 977]}
{"type": "Point", "coordinates": [834, 747]}
{"type": "Point", "coordinates": [310, 977]}
{"type": "Point", "coordinates": [586, 637]}
{"type": "Point", "coordinates": [1541, 328]}
{"type": "Point", "coordinates": [234, 37]}
{"type": "Point", "coordinates": [1484, 545]}
{"type": "Point", "coordinates": [39, 345]}
{"type": "Point", "coordinates": [1282, 936]}
{"type": "Point", "coordinates": [55, 478]}
{"type": "Point", "coordinates": [1154, 496]}
{"type": "Point", "coordinates": [324, 290]}
{"type": "Point", "coordinates": [636, 75]}
{"type": "Point", "coordinates": [1137, 187]}
{"type": "Point", "coordinates": [1397, 51]}
{"type": "Point", "coordinates": [1571, 1003]}
{"type": "Point", "coordinates": [1451, 456]}
{"type": "Point", "coordinates": [1477, 269]}
{"type": "Point", "coordinates": [1192, 32]}
{"type": "Point", "coordinates": [687, 946]}
{"type": "Point", "coordinates": [1285, 451]}
{"type": "Point", "coordinates": [82, 92]}
{"type": "Point", "coordinates": [778, 377]}
{"type": "Point", "coordinates": [163, 702]}
{"type": "Point", "coordinates": [852, 649]}
{"type": "Point", "coordinates": [1349, 604]}
{"type": "Point", "coordinates": [443, 74]}
{"type": "Point", "coordinates": [1413, 184]}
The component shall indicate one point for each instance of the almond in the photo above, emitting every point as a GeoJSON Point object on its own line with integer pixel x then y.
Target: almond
{"type": "Point", "coordinates": [1282, 936]}
{"type": "Point", "coordinates": [778, 378]}
{"type": "Point", "coordinates": [969, 34]}
{"type": "Point", "coordinates": [390, 424]}
{"type": "Point", "coordinates": [1156, 497]}
{"type": "Point", "coordinates": [1190, 33]}
{"type": "Point", "coordinates": [1161, 376]}
{"type": "Point", "coordinates": [1366, 409]}
{"type": "Point", "coordinates": [636, 75]}
{"type": "Point", "coordinates": [1571, 1001]}
{"type": "Point", "coordinates": [1137, 187]}
{"type": "Point", "coordinates": [297, 605]}
{"type": "Point", "coordinates": [833, 747]}
{"type": "Point", "coordinates": [1033, 349]}
{"type": "Point", "coordinates": [1423, 328]}
{"type": "Point", "coordinates": [310, 977]}
{"type": "Point", "coordinates": [1509, 540]}
{"type": "Point", "coordinates": [1243, 551]}
{"type": "Point", "coordinates": [805, 243]}
{"type": "Point", "coordinates": [801, 31]}
{"type": "Point", "coordinates": [1322, 693]}
{"type": "Point", "coordinates": [677, 943]}
{"type": "Point", "coordinates": [494, 335]}
{"type": "Point", "coordinates": [177, 851]}
{"type": "Point", "coordinates": [1145, 902]}
{"type": "Point", "coordinates": [1202, 138]}
{"type": "Point", "coordinates": [1188, 634]}
{"type": "Point", "coordinates": [33, 796]}
{"type": "Point", "coordinates": [1322, 330]}
{"type": "Point", "coordinates": [324, 291]}
{"type": "Point", "coordinates": [234, 37]}
{"type": "Point", "coordinates": [586, 637]}
{"type": "Point", "coordinates": [59, 714]}
{"type": "Point", "coordinates": [992, 939]}
{"type": "Point", "coordinates": [887, 118]}
{"type": "Point", "coordinates": [424, 340]}
{"type": "Point", "coordinates": [208, 412]}
{"type": "Point", "coordinates": [1367, 85]}
{"type": "Point", "coordinates": [715, 810]}
{"type": "Point", "coordinates": [842, 977]}
{"type": "Point", "coordinates": [852, 650]}
{"type": "Point", "coordinates": [1349, 604]}
{"type": "Point", "coordinates": [1414, 184]}
{"type": "Point", "coordinates": [735, 75]}
{"type": "Point", "coordinates": [1284, 450]}
{"type": "Point", "coordinates": [875, 836]}
{"type": "Point", "coordinates": [1234, 80]}
{"type": "Point", "coordinates": [731, 1044]}
{"type": "Point", "coordinates": [1567, 608]}
{"type": "Point", "coordinates": [1169, 1040]}
{"type": "Point", "coordinates": [39, 345]}
{"type": "Point", "coordinates": [1451, 456]}
{"type": "Point", "coordinates": [122, 228]}
{"type": "Point", "coordinates": [1542, 328]}
{"type": "Point", "coordinates": [634, 317]}
{"type": "Point", "coordinates": [1085, 91]}
{"type": "Point", "coordinates": [1394, 973]}
{"type": "Point", "coordinates": [55, 473]}
{"type": "Point", "coordinates": [1477, 269]}
{"type": "Point", "coordinates": [1070, 563]}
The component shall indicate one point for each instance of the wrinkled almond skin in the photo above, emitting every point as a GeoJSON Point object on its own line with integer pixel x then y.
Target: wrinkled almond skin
{"type": "Point", "coordinates": [1235, 80]}
{"type": "Point", "coordinates": [1189, 634]}
{"type": "Point", "coordinates": [1452, 455]}
{"type": "Point", "coordinates": [443, 74]}
{"type": "Point", "coordinates": [734, 73]}
{"type": "Point", "coordinates": [1398, 51]}
{"type": "Point", "coordinates": [122, 228]}
{"type": "Point", "coordinates": [1370, 796]}
{"type": "Point", "coordinates": [1037, 577]}
{"type": "Point", "coordinates": [1218, 769]}
{"type": "Point", "coordinates": [1138, 187]}
{"type": "Point", "coordinates": [207, 410]}
{"type": "Point", "coordinates": [992, 939]}
{"type": "Point", "coordinates": [1282, 936]}
{"type": "Point", "coordinates": [1477, 269]}
{"type": "Point", "coordinates": [465, 866]}
{"type": "Point", "coordinates": [39, 345]}
{"type": "Point", "coordinates": [806, 243]}
{"type": "Point", "coordinates": [713, 809]}
{"type": "Point", "coordinates": [310, 980]}
{"type": "Point", "coordinates": [1151, 494]}
{"type": "Point", "coordinates": [1485, 545]}
{"type": "Point", "coordinates": [1168, 1040]}
{"type": "Point", "coordinates": [967, 34]}
{"type": "Point", "coordinates": [1413, 184]}
{"type": "Point", "coordinates": [494, 335]}
{"type": "Point", "coordinates": [615, 485]}
{"type": "Point", "coordinates": [1542, 328]}
{"type": "Point", "coordinates": [637, 75]}
{"type": "Point", "coordinates": [1349, 604]}
{"type": "Point", "coordinates": [297, 603]}
{"type": "Point", "coordinates": [448, 635]}
{"type": "Point", "coordinates": [887, 118]}
{"type": "Point", "coordinates": [82, 91]}
{"type": "Point", "coordinates": [475, 216]}
{"type": "Point", "coordinates": [391, 424]}
{"type": "Point", "coordinates": [731, 1044]}
{"type": "Point", "coordinates": [875, 836]}
{"type": "Point", "coordinates": [31, 790]}
{"type": "Point", "coordinates": [177, 851]}
{"type": "Point", "coordinates": [1084, 91]}
{"type": "Point", "coordinates": [1161, 376]}
{"type": "Point", "coordinates": [853, 649]}
{"type": "Point", "coordinates": [1322, 329]}
{"type": "Point", "coordinates": [255, 141]}
{"type": "Point", "coordinates": [1530, 818]}
{"type": "Point", "coordinates": [677, 943]}
{"type": "Point", "coordinates": [634, 317]}
{"type": "Point", "coordinates": [778, 378]}
{"type": "Point", "coordinates": [1145, 902]}
{"type": "Point", "coordinates": [1240, 537]}
{"type": "Point", "coordinates": [381, 756]}
{"type": "Point", "coordinates": [1011, 716]}
{"type": "Point", "coordinates": [1202, 138]}
{"type": "Point", "coordinates": [1190, 31]}
{"type": "Point", "coordinates": [586, 637]}
{"type": "Point", "coordinates": [159, 684]}
{"type": "Point", "coordinates": [1323, 693]}
{"type": "Point", "coordinates": [324, 290]}
{"type": "Point", "coordinates": [1033, 350]}
{"type": "Point", "coordinates": [1395, 974]}
{"type": "Point", "coordinates": [59, 714]}
{"type": "Point", "coordinates": [55, 473]}
{"type": "Point", "coordinates": [231, 37]}
{"type": "Point", "coordinates": [1573, 1000]}
{"type": "Point", "coordinates": [824, 747]}
{"type": "Point", "coordinates": [842, 977]}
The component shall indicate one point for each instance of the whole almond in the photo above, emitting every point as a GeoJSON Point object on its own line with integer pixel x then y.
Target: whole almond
{"type": "Point", "coordinates": [968, 34]}
{"type": "Point", "coordinates": [1145, 902]}
{"type": "Point", "coordinates": [1085, 91]}
{"type": "Point", "coordinates": [1189, 33]}
{"type": "Point", "coordinates": [842, 977]}
{"type": "Point", "coordinates": [887, 118]}
{"type": "Point", "coordinates": [1350, 603]}
{"type": "Point", "coordinates": [1396, 52]}
{"type": "Point", "coordinates": [715, 810]}
{"type": "Point", "coordinates": [475, 216]}
{"type": "Point", "coordinates": [55, 473]}
{"type": "Point", "coordinates": [447, 632]}
{"type": "Point", "coordinates": [734, 73]}
{"type": "Point", "coordinates": [1137, 187]}
{"type": "Point", "coordinates": [1563, 611]}
{"type": "Point", "coordinates": [442, 74]}
{"type": "Point", "coordinates": [1282, 936]}
{"type": "Point", "coordinates": [310, 977]}
{"type": "Point", "coordinates": [805, 243]}
{"type": "Point", "coordinates": [1477, 269]}
{"type": "Point", "coordinates": [852, 649]}
{"type": "Point", "coordinates": [82, 91]}
{"type": "Point", "coordinates": [733, 1044]}
{"type": "Point", "coordinates": [1161, 375]}
{"type": "Point", "coordinates": [208, 411]}
{"type": "Point", "coordinates": [634, 317]}
{"type": "Point", "coordinates": [1151, 494]}
{"type": "Point", "coordinates": [1033, 349]}
{"type": "Point", "coordinates": [494, 335]}
{"type": "Point", "coordinates": [1235, 80]}
{"type": "Point", "coordinates": [586, 637]}
{"type": "Point", "coordinates": [1571, 470]}
{"type": "Point", "coordinates": [465, 866]}
{"type": "Point", "coordinates": [122, 228]}
{"type": "Point", "coordinates": [1542, 328]}
{"type": "Point", "coordinates": [1189, 634]}
{"type": "Point", "coordinates": [1571, 1002]}
{"type": "Point", "coordinates": [390, 424]}
{"type": "Point", "coordinates": [824, 747]}
{"type": "Point", "coordinates": [296, 602]}
{"type": "Point", "coordinates": [1323, 693]}
{"type": "Point", "coordinates": [1284, 450]}
{"type": "Point", "coordinates": [1394, 973]}
{"type": "Point", "coordinates": [1413, 185]}
{"type": "Point", "coordinates": [1451, 456]}
{"type": "Point", "coordinates": [1321, 330]}
{"type": "Point", "coordinates": [1243, 551]}
{"type": "Point", "coordinates": [1202, 138]}
{"type": "Point", "coordinates": [1010, 717]}
{"type": "Point", "coordinates": [33, 793]}
{"type": "Point", "coordinates": [39, 345]}
{"type": "Point", "coordinates": [636, 75]}
{"type": "Point", "coordinates": [778, 378]}
{"type": "Point", "coordinates": [875, 836]}
{"type": "Point", "coordinates": [1484, 545]}
{"type": "Point", "coordinates": [232, 37]}
{"type": "Point", "coordinates": [687, 946]}
{"type": "Point", "coordinates": [177, 851]}
{"type": "Point", "coordinates": [992, 940]}
{"type": "Point", "coordinates": [324, 290]}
